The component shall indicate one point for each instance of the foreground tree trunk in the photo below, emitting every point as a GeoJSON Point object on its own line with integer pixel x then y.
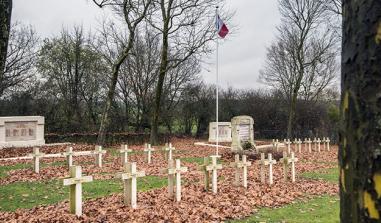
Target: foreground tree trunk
{"type": "Point", "coordinates": [5, 26]}
{"type": "Point", "coordinates": [360, 133]}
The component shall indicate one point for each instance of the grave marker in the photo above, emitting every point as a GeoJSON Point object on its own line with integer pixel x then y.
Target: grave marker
{"type": "Point", "coordinates": [288, 143]}
{"type": "Point", "coordinates": [124, 153]}
{"type": "Point", "coordinates": [205, 170]}
{"type": "Point", "coordinates": [293, 160]}
{"type": "Point", "coordinates": [270, 163]}
{"type": "Point", "coordinates": [98, 152]}
{"type": "Point", "coordinates": [213, 168]}
{"type": "Point", "coordinates": [36, 159]}
{"type": "Point", "coordinates": [299, 142]}
{"type": "Point", "coordinates": [75, 182]}
{"type": "Point", "coordinates": [328, 141]}
{"type": "Point", "coordinates": [168, 151]}
{"type": "Point", "coordinates": [263, 162]}
{"type": "Point", "coordinates": [285, 161]}
{"type": "Point", "coordinates": [129, 178]}
{"type": "Point", "coordinates": [69, 156]}
{"type": "Point", "coordinates": [318, 144]}
{"type": "Point", "coordinates": [178, 172]}
{"type": "Point", "coordinates": [149, 151]}
{"type": "Point", "coordinates": [242, 131]}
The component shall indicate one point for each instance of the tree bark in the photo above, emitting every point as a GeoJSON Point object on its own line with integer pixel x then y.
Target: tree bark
{"type": "Point", "coordinates": [291, 115]}
{"type": "Point", "coordinates": [5, 26]}
{"type": "Point", "coordinates": [360, 130]}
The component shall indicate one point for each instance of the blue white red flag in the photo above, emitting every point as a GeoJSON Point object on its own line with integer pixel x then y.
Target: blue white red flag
{"type": "Point", "coordinates": [222, 29]}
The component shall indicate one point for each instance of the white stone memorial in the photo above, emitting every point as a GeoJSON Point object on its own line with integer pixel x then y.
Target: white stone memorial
{"type": "Point", "coordinates": [242, 131]}
{"type": "Point", "coordinates": [129, 178]}
{"type": "Point", "coordinates": [22, 131]}
{"type": "Point", "coordinates": [224, 132]}
{"type": "Point", "coordinates": [213, 167]}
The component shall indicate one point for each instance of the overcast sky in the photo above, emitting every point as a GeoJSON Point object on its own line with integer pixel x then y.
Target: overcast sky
{"type": "Point", "coordinates": [241, 56]}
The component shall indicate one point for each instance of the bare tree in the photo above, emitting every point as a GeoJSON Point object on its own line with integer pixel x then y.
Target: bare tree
{"type": "Point", "coordinates": [133, 12]}
{"type": "Point", "coordinates": [5, 27]}
{"type": "Point", "coordinates": [302, 59]}
{"type": "Point", "coordinates": [186, 28]}
{"type": "Point", "coordinates": [21, 57]}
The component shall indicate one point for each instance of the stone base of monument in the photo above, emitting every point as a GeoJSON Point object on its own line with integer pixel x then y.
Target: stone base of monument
{"type": "Point", "coordinates": [22, 131]}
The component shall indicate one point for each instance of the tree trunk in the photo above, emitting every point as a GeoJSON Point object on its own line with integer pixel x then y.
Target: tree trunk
{"type": "Point", "coordinates": [5, 26]}
{"type": "Point", "coordinates": [360, 130]}
{"type": "Point", "coordinates": [291, 115]}
{"type": "Point", "coordinates": [159, 90]}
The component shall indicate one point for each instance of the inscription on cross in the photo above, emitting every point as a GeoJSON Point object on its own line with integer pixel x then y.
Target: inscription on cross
{"type": "Point", "coordinates": [37, 155]}
{"type": "Point", "coordinates": [124, 154]}
{"type": "Point", "coordinates": [129, 178]}
{"type": "Point", "coordinates": [75, 182]}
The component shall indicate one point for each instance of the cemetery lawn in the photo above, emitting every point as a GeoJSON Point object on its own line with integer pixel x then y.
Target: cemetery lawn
{"type": "Point", "coordinates": [30, 194]}
{"type": "Point", "coordinates": [331, 175]}
{"type": "Point", "coordinates": [324, 209]}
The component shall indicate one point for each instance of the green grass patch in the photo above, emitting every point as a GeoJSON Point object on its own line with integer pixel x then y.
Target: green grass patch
{"type": "Point", "coordinates": [197, 160]}
{"type": "Point", "coordinates": [31, 194]}
{"type": "Point", "coordinates": [5, 169]}
{"type": "Point", "coordinates": [331, 175]}
{"type": "Point", "coordinates": [323, 209]}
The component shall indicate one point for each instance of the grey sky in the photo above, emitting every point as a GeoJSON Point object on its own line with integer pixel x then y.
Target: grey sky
{"type": "Point", "coordinates": [241, 56]}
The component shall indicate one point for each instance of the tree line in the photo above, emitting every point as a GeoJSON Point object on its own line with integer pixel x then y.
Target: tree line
{"type": "Point", "coordinates": [140, 72]}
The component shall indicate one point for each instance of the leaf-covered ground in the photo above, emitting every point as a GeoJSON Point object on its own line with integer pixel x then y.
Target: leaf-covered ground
{"type": "Point", "coordinates": [103, 197]}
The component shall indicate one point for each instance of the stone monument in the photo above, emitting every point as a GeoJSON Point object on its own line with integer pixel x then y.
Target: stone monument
{"type": "Point", "coordinates": [224, 132]}
{"type": "Point", "coordinates": [242, 131]}
{"type": "Point", "coordinates": [22, 131]}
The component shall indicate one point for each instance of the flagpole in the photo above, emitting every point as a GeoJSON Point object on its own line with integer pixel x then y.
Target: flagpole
{"type": "Point", "coordinates": [217, 88]}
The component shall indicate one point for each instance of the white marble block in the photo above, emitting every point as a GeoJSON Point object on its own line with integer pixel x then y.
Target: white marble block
{"type": "Point", "coordinates": [242, 131]}
{"type": "Point", "coordinates": [22, 131]}
{"type": "Point", "coordinates": [224, 132]}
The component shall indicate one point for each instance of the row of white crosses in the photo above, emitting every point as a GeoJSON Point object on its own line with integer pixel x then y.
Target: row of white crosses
{"type": "Point", "coordinates": [37, 155]}
{"type": "Point", "coordinates": [286, 161]}
{"type": "Point", "coordinates": [307, 141]}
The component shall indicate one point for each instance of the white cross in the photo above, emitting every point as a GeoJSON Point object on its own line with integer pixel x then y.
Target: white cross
{"type": "Point", "coordinates": [214, 167]}
{"type": "Point", "coordinates": [98, 152]}
{"type": "Point", "coordinates": [168, 151]}
{"type": "Point", "coordinates": [288, 142]}
{"type": "Point", "coordinates": [238, 165]}
{"type": "Point", "coordinates": [324, 141]}
{"type": "Point", "coordinates": [328, 141]}
{"type": "Point", "coordinates": [69, 156]}
{"type": "Point", "coordinates": [275, 144]}
{"type": "Point", "coordinates": [270, 162]}
{"type": "Point", "coordinates": [315, 144]}
{"type": "Point", "coordinates": [299, 142]}
{"type": "Point", "coordinates": [124, 153]}
{"type": "Point", "coordinates": [203, 168]}
{"type": "Point", "coordinates": [149, 151]}
{"type": "Point", "coordinates": [285, 161]}
{"type": "Point", "coordinates": [263, 162]}
{"type": "Point", "coordinates": [309, 145]}
{"type": "Point", "coordinates": [75, 182]}
{"type": "Point", "coordinates": [36, 159]}
{"type": "Point", "coordinates": [175, 171]}
{"type": "Point", "coordinates": [129, 178]}
{"type": "Point", "coordinates": [318, 144]}
{"type": "Point", "coordinates": [293, 160]}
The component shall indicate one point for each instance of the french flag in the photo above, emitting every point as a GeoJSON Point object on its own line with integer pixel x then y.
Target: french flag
{"type": "Point", "coordinates": [222, 29]}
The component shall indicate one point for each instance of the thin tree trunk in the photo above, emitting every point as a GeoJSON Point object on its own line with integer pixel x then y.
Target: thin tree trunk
{"type": "Point", "coordinates": [291, 115]}
{"type": "Point", "coordinates": [360, 130]}
{"type": "Point", "coordinates": [5, 26]}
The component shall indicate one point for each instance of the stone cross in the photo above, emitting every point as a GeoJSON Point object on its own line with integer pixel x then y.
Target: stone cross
{"type": "Point", "coordinates": [238, 165]}
{"type": "Point", "coordinates": [69, 156]}
{"type": "Point", "coordinates": [98, 152]}
{"type": "Point", "coordinates": [299, 142]}
{"type": "Point", "coordinates": [288, 143]}
{"type": "Point", "coordinates": [263, 162]}
{"type": "Point", "coordinates": [213, 168]}
{"type": "Point", "coordinates": [315, 144]}
{"type": "Point", "coordinates": [36, 159]}
{"type": "Point", "coordinates": [129, 178]}
{"type": "Point", "coordinates": [308, 141]}
{"type": "Point", "coordinates": [203, 168]}
{"type": "Point", "coordinates": [270, 162]}
{"type": "Point", "coordinates": [75, 182]}
{"type": "Point", "coordinates": [149, 151]}
{"type": "Point", "coordinates": [175, 171]}
{"type": "Point", "coordinates": [293, 160]}
{"type": "Point", "coordinates": [168, 151]}
{"type": "Point", "coordinates": [318, 144]}
{"type": "Point", "coordinates": [328, 141]}
{"type": "Point", "coordinates": [124, 153]}
{"type": "Point", "coordinates": [323, 141]}
{"type": "Point", "coordinates": [275, 145]}
{"type": "Point", "coordinates": [285, 161]}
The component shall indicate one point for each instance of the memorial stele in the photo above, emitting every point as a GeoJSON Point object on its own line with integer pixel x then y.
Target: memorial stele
{"type": "Point", "coordinates": [22, 131]}
{"type": "Point", "coordinates": [224, 132]}
{"type": "Point", "coordinates": [242, 131]}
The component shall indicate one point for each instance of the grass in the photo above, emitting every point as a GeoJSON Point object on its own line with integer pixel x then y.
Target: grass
{"type": "Point", "coordinates": [197, 160]}
{"type": "Point", "coordinates": [323, 209]}
{"type": "Point", "coordinates": [30, 194]}
{"type": "Point", "coordinates": [5, 169]}
{"type": "Point", "coordinates": [331, 175]}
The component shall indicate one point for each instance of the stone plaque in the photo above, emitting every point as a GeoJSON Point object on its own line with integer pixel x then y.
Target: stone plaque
{"type": "Point", "coordinates": [242, 131]}
{"type": "Point", "coordinates": [20, 131]}
{"type": "Point", "coordinates": [224, 132]}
